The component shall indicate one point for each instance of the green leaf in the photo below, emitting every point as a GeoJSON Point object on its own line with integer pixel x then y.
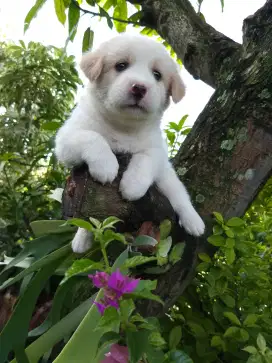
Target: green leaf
{"type": "Point", "coordinates": [73, 18]}
{"type": "Point", "coordinates": [176, 252]}
{"type": "Point", "coordinates": [204, 257]}
{"type": "Point", "coordinates": [228, 300]}
{"type": "Point", "coordinates": [95, 222]}
{"type": "Point", "coordinates": [164, 247]}
{"type": "Point", "coordinates": [79, 223]}
{"type": "Point", "coordinates": [144, 241]}
{"type": "Point", "coordinates": [250, 319]}
{"type": "Point", "coordinates": [33, 13]}
{"type": "Point", "coordinates": [137, 343]}
{"type": "Point", "coordinates": [38, 247]}
{"type": "Point", "coordinates": [109, 321]}
{"type": "Point", "coordinates": [156, 339]}
{"type": "Point", "coordinates": [232, 317]}
{"type": "Point", "coordinates": [230, 242]}
{"type": "Point", "coordinates": [44, 227]}
{"type": "Point", "coordinates": [58, 331]}
{"type": "Point", "coordinates": [229, 233]}
{"type": "Point", "coordinates": [179, 356]}
{"type": "Point", "coordinates": [110, 222]}
{"type": "Point", "coordinates": [216, 240]}
{"type": "Point", "coordinates": [55, 313]}
{"type": "Point", "coordinates": [110, 236]}
{"type": "Point", "coordinates": [60, 10]}
{"type": "Point", "coordinates": [145, 294]}
{"type": "Point", "coordinates": [216, 341]}
{"type": "Point", "coordinates": [138, 260]}
{"type": "Point", "coordinates": [56, 255]}
{"type": "Point", "coordinates": [230, 255]}
{"type": "Point", "coordinates": [217, 229]}
{"type": "Point", "coordinates": [50, 126]}
{"type": "Point", "coordinates": [23, 311]}
{"type": "Point", "coordinates": [232, 332]}
{"type": "Point", "coordinates": [244, 336]}
{"type": "Point", "coordinates": [250, 349]}
{"type": "Point", "coordinates": [119, 262]}
{"type": "Point", "coordinates": [126, 309]}
{"type": "Point", "coordinates": [222, 4]}
{"type": "Point", "coordinates": [182, 121]}
{"type": "Point", "coordinates": [87, 42]}
{"type": "Point", "coordinates": [261, 342]}
{"type": "Point", "coordinates": [120, 12]}
{"type": "Point", "coordinates": [218, 217]}
{"type": "Point", "coordinates": [104, 14]}
{"type": "Point", "coordinates": [197, 329]}
{"type": "Point", "coordinates": [235, 222]}
{"type": "Point", "coordinates": [82, 266]}
{"type": "Point", "coordinates": [146, 285]}
{"type": "Point", "coordinates": [165, 228]}
{"type": "Point", "coordinates": [175, 337]}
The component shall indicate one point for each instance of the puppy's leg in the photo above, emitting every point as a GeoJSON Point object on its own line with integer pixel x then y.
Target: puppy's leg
{"type": "Point", "coordinates": [82, 241]}
{"type": "Point", "coordinates": [139, 176]}
{"type": "Point", "coordinates": [75, 145]}
{"type": "Point", "coordinates": [175, 191]}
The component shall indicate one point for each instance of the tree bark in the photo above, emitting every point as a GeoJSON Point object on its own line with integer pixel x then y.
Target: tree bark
{"type": "Point", "coordinates": [226, 158]}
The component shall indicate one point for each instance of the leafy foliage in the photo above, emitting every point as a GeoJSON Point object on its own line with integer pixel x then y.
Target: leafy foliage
{"type": "Point", "coordinates": [37, 90]}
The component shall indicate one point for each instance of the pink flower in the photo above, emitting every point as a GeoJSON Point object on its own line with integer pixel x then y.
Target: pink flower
{"type": "Point", "coordinates": [121, 284]}
{"type": "Point", "coordinates": [117, 354]}
{"type": "Point", "coordinates": [100, 279]}
{"type": "Point", "coordinates": [115, 285]}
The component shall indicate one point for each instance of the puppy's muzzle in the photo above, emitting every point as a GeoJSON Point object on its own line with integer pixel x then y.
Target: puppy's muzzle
{"type": "Point", "coordinates": [138, 91]}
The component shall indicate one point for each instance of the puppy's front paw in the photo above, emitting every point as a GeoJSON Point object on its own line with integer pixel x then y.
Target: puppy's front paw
{"type": "Point", "coordinates": [105, 168]}
{"type": "Point", "coordinates": [192, 222]}
{"type": "Point", "coordinates": [82, 241]}
{"type": "Point", "coordinates": [132, 187]}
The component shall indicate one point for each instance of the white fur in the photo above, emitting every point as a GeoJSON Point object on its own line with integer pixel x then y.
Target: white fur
{"type": "Point", "coordinates": [103, 123]}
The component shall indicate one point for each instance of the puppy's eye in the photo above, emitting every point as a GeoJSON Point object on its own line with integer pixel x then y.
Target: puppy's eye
{"type": "Point", "coordinates": [157, 75]}
{"type": "Point", "coordinates": [120, 67]}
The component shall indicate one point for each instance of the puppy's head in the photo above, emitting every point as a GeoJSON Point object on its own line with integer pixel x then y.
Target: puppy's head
{"type": "Point", "coordinates": [133, 78]}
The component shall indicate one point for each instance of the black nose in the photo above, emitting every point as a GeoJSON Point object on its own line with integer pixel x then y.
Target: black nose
{"type": "Point", "coordinates": [138, 91]}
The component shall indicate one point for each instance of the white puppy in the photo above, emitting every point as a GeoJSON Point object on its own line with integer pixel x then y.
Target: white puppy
{"type": "Point", "coordinates": [131, 81]}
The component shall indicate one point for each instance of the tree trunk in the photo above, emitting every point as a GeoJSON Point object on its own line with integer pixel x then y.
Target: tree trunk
{"type": "Point", "coordinates": [226, 158]}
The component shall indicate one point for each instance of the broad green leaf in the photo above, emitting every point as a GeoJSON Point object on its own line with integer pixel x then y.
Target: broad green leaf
{"type": "Point", "coordinates": [217, 229]}
{"type": "Point", "coordinates": [230, 242]}
{"type": "Point", "coordinates": [73, 18]}
{"type": "Point", "coordinates": [244, 336]}
{"type": "Point", "coordinates": [138, 260]}
{"type": "Point", "coordinates": [232, 317]}
{"type": "Point", "coordinates": [56, 255]}
{"type": "Point", "coordinates": [229, 233]}
{"type": "Point", "coordinates": [44, 227]}
{"type": "Point", "coordinates": [109, 321]}
{"type": "Point", "coordinates": [204, 257]}
{"type": "Point", "coordinates": [84, 341]}
{"type": "Point", "coordinates": [87, 42]}
{"type": "Point", "coordinates": [176, 252]}
{"type": "Point", "coordinates": [126, 309]}
{"type": "Point", "coordinates": [119, 262]}
{"type": "Point", "coordinates": [165, 228]}
{"type": "Point", "coordinates": [216, 341]}
{"type": "Point", "coordinates": [58, 331]}
{"type": "Point", "coordinates": [164, 247]}
{"type": "Point", "coordinates": [230, 255]}
{"type": "Point", "coordinates": [109, 236]}
{"type": "Point", "coordinates": [145, 294]}
{"type": "Point", "coordinates": [216, 240]}
{"type": "Point", "coordinates": [235, 222]}
{"type": "Point", "coordinates": [175, 337]}
{"type": "Point", "coordinates": [261, 342]}
{"type": "Point", "coordinates": [23, 311]}
{"type": "Point", "coordinates": [55, 312]}
{"type": "Point", "coordinates": [143, 240]}
{"type": "Point", "coordinates": [95, 222]}
{"type": "Point", "coordinates": [120, 12]}
{"type": "Point", "coordinates": [146, 285]}
{"type": "Point", "coordinates": [33, 13]}
{"type": "Point", "coordinates": [250, 319]}
{"type": "Point", "coordinates": [137, 343]}
{"type": "Point", "coordinates": [182, 121]}
{"type": "Point", "coordinates": [232, 332]}
{"type": "Point", "coordinates": [228, 300]}
{"type": "Point", "coordinates": [197, 329]}
{"type": "Point", "coordinates": [60, 10]}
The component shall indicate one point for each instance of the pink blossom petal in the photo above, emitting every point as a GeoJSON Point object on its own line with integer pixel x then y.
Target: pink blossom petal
{"type": "Point", "coordinates": [121, 284]}
{"type": "Point", "coordinates": [109, 359]}
{"type": "Point", "coordinates": [119, 353]}
{"type": "Point", "coordinates": [100, 279]}
{"type": "Point", "coordinates": [101, 307]}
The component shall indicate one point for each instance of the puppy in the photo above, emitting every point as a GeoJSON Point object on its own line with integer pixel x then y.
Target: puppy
{"type": "Point", "coordinates": [131, 80]}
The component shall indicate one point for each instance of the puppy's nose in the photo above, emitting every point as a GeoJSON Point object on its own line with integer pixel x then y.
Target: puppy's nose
{"type": "Point", "coordinates": [138, 91]}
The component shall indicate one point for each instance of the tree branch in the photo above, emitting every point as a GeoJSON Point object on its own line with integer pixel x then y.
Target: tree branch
{"type": "Point", "coordinates": [206, 53]}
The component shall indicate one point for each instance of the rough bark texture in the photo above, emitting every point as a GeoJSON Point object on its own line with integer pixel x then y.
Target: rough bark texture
{"type": "Point", "coordinates": [226, 158]}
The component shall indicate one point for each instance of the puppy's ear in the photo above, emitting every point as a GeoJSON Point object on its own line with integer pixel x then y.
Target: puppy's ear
{"type": "Point", "coordinates": [177, 88]}
{"type": "Point", "coordinates": [92, 65]}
